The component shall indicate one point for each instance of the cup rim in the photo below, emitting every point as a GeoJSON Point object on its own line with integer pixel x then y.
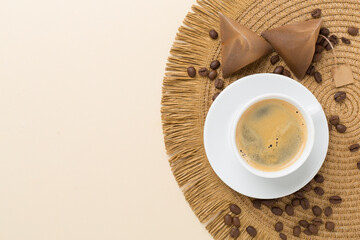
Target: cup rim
{"type": "Point", "coordinates": [309, 141]}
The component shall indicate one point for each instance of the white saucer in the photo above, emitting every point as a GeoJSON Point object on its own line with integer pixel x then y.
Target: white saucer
{"type": "Point", "coordinates": [217, 137]}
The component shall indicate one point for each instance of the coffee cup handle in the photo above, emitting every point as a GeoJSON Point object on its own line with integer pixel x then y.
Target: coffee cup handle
{"type": "Point", "coordinates": [314, 109]}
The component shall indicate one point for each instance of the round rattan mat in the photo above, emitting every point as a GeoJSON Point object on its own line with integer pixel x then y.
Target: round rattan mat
{"type": "Point", "coordinates": [186, 100]}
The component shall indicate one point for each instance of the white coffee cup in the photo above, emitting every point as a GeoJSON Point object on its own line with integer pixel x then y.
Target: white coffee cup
{"type": "Point", "coordinates": [306, 113]}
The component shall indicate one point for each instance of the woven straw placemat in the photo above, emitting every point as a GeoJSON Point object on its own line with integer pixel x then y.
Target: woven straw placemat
{"type": "Point", "coordinates": [186, 100]}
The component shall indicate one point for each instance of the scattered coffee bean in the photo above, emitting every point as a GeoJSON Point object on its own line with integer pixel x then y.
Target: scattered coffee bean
{"type": "Point", "coordinates": [316, 210]}
{"type": "Point", "coordinates": [305, 203]}
{"type": "Point", "coordinates": [307, 187]}
{"type": "Point", "coordinates": [277, 211]}
{"type": "Point", "coordinates": [319, 191]}
{"type": "Point", "coordinates": [278, 69]}
{"type": "Point", "coordinates": [219, 83]}
{"type": "Point", "coordinates": [318, 77]}
{"type": "Point", "coordinates": [212, 74]}
{"type": "Point", "coordinates": [268, 202]}
{"type": "Point", "coordinates": [299, 194]}
{"type": "Point", "coordinates": [307, 232]}
{"type": "Point", "coordinates": [334, 39]}
{"type": "Point", "coordinates": [215, 64]}
{"type": "Point", "coordinates": [320, 40]}
{"type": "Point", "coordinates": [355, 147]}
{"type": "Point", "coordinates": [296, 231]}
{"type": "Point", "coordinates": [251, 231]}
{"type": "Point", "coordinates": [328, 47]}
{"type": "Point", "coordinates": [236, 221]}
{"type": "Point", "coordinates": [353, 31]}
{"type": "Point", "coordinates": [330, 126]}
{"type": "Point", "coordinates": [330, 226]}
{"type": "Point", "coordinates": [256, 203]}
{"type": "Point", "coordinates": [311, 70]}
{"type": "Point", "coordinates": [339, 96]}
{"type": "Point", "coordinates": [317, 57]}
{"type": "Point", "coordinates": [274, 59]}
{"type": "Point", "coordinates": [235, 209]}
{"type": "Point", "coordinates": [279, 226]}
{"type": "Point", "coordinates": [328, 211]}
{"type": "Point", "coordinates": [283, 236]}
{"type": "Point", "coordinates": [341, 128]}
{"type": "Point", "coordinates": [335, 199]}
{"type": "Point", "coordinates": [319, 178]}
{"type": "Point", "coordinates": [313, 229]}
{"type": "Point", "coordinates": [286, 73]}
{"type": "Point", "coordinates": [317, 221]}
{"type": "Point", "coordinates": [325, 31]}
{"type": "Point", "coordinates": [289, 210]}
{"type": "Point", "coordinates": [345, 40]}
{"type": "Point", "coordinates": [215, 96]}
{"type": "Point", "coordinates": [213, 34]}
{"type": "Point", "coordinates": [295, 202]}
{"type": "Point", "coordinates": [319, 49]}
{"type": "Point", "coordinates": [334, 120]}
{"type": "Point", "coordinates": [228, 219]}
{"type": "Point", "coordinates": [191, 72]}
{"type": "Point", "coordinates": [204, 72]}
{"type": "Point", "coordinates": [316, 13]}
{"type": "Point", "coordinates": [358, 165]}
{"type": "Point", "coordinates": [235, 232]}
{"type": "Point", "coordinates": [304, 223]}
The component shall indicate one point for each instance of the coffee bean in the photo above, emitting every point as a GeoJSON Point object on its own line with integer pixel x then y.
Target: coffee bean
{"type": "Point", "coordinates": [305, 203]}
{"type": "Point", "coordinates": [317, 57]}
{"type": "Point", "coordinates": [325, 44]}
{"type": "Point", "coordinates": [307, 187]}
{"type": "Point", "coordinates": [345, 40]}
{"type": "Point", "coordinates": [330, 126]}
{"type": "Point", "coordinates": [320, 40]}
{"type": "Point", "coordinates": [313, 229]}
{"type": "Point", "coordinates": [319, 178]}
{"type": "Point", "coordinates": [311, 70]}
{"type": "Point", "coordinates": [318, 77]}
{"type": "Point", "coordinates": [235, 209]}
{"type": "Point", "coordinates": [334, 39]}
{"type": "Point", "coordinates": [286, 73]}
{"type": "Point", "coordinates": [341, 128]}
{"type": "Point", "coordinates": [335, 199]}
{"type": "Point", "coordinates": [317, 221]}
{"type": "Point", "coordinates": [235, 232]}
{"type": "Point", "coordinates": [268, 202]}
{"type": "Point", "coordinates": [295, 202]}
{"type": "Point", "coordinates": [324, 31]}
{"type": "Point", "coordinates": [215, 96]}
{"type": "Point", "coordinates": [228, 219]}
{"type": "Point", "coordinates": [355, 147]}
{"type": "Point", "coordinates": [215, 64]}
{"type": "Point", "coordinates": [256, 203]}
{"type": "Point", "coordinates": [219, 83]}
{"type": "Point", "coordinates": [289, 210]}
{"type": "Point", "coordinates": [236, 221]}
{"type": "Point", "coordinates": [277, 211]}
{"type": "Point", "coordinates": [328, 47]}
{"type": "Point", "coordinates": [212, 74]}
{"type": "Point", "coordinates": [319, 191]}
{"type": "Point", "coordinates": [316, 210]}
{"type": "Point", "coordinates": [279, 226]}
{"type": "Point", "coordinates": [328, 211]}
{"type": "Point", "coordinates": [330, 226]}
{"type": "Point", "coordinates": [296, 231]}
{"type": "Point", "coordinates": [319, 49]}
{"type": "Point", "coordinates": [334, 120]}
{"type": "Point", "coordinates": [191, 72]}
{"type": "Point", "coordinates": [213, 34]}
{"type": "Point", "coordinates": [251, 231]}
{"type": "Point", "coordinates": [316, 13]}
{"type": "Point", "coordinates": [353, 31]}
{"type": "Point", "coordinates": [299, 194]}
{"type": "Point", "coordinates": [304, 223]}
{"type": "Point", "coordinates": [283, 236]}
{"type": "Point", "coordinates": [278, 69]}
{"type": "Point", "coordinates": [358, 165]}
{"type": "Point", "coordinates": [204, 72]}
{"type": "Point", "coordinates": [307, 232]}
{"type": "Point", "coordinates": [274, 59]}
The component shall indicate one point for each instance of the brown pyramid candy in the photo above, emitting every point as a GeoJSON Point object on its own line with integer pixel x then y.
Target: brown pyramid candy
{"type": "Point", "coordinates": [295, 43]}
{"type": "Point", "coordinates": [240, 46]}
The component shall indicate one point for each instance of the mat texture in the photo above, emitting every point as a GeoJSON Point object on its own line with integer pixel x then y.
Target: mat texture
{"type": "Point", "coordinates": [186, 100]}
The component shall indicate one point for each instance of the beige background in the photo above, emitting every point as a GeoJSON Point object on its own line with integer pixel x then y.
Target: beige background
{"type": "Point", "coordinates": [81, 147]}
